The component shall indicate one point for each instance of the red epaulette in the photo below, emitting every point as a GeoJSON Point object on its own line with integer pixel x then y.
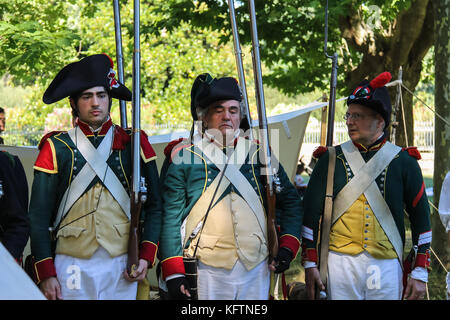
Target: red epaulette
{"type": "Point", "coordinates": [48, 135]}
{"type": "Point", "coordinates": [170, 146]}
{"type": "Point", "coordinates": [413, 152]}
{"type": "Point", "coordinates": [46, 159]}
{"type": "Point", "coordinates": [147, 150]}
{"type": "Point", "coordinates": [174, 146]}
{"type": "Point", "coordinates": [121, 138]}
{"type": "Point", "coordinates": [319, 151]}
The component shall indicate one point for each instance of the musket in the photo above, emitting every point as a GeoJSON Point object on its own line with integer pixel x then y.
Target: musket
{"type": "Point", "coordinates": [239, 64]}
{"type": "Point", "coordinates": [272, 180]}
{"type": "Point", "coordinates": [326, 220]}
{"type": "Point", "coordinates": [333, 84]}
{"type": "Point", "coordinates": [138, 191]}
{"type": "Point", "coordinates": [119, 57]}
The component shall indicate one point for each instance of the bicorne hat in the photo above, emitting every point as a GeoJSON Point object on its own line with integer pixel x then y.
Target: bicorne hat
{"type": "Point", "coordinates": [374, 95]}
{"type": "Point", "coordinates": [207, 90]}
{"type": "Point", "coordinates": [92, 71]}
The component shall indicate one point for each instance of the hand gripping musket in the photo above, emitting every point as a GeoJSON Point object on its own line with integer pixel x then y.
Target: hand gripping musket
{"type": "Point", "coordinates": [272, 180]}
{"type": "Point", "coordinates": [239, 64]}
{"type": "Point", "coordinates": [119, 57]}
{"type": "Point", "coordinates": [138, 190]}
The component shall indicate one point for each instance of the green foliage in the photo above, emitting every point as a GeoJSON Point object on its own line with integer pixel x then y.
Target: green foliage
{"type": "Point", "coordinates": [169, 62]}
{"type": "Point", "coordinates": [179, 40]}
{"type": "Point", "coordinates": [291, 34]}
{"type": "Point", "coordinates": [34, 39]}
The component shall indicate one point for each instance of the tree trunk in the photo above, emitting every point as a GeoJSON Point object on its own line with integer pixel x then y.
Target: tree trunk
{"type": "Point", "coordinates": [405, 46]}
{"type": "Point", "coordinates": [442, 131]}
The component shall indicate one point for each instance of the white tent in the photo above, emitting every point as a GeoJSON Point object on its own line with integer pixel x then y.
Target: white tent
{"type": "Point", "coordinates": [14, 282]}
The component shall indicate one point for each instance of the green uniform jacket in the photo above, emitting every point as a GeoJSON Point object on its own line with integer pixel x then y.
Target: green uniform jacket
{"type": "Point", "coordinates": [183, 184]}
{"type": "Point", "coordinates": [57, 164]}
{"type": "Point", "coordinates": [401, 185]}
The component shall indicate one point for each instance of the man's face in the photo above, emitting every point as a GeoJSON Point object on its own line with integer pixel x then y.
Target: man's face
{"type": "Point", "coordinates": [364, 125]}
{"type": "Point", "coordinates": [93, 106]}
{"type": "Point", "coordinates": [2, 121]}
{"type": "Point", "coordinates": [223, 115]}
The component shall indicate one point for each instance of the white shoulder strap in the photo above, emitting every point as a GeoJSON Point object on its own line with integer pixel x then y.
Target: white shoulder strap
{"type": "Point", "coordinates": [365, 174]}
{"type": "Point", "coordinates": [95, 165]}
{"type": "Point", "coordinates": [364, 182]}
{"type": "Point", "coordinates": [236, 177]}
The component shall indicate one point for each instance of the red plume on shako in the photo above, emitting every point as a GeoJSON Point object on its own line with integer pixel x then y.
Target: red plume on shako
{"type": "Point", "coordinates": [380, 80]}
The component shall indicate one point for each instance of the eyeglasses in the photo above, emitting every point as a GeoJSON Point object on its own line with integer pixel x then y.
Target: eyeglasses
{"type": "Point", "coordinates": [356, 116]}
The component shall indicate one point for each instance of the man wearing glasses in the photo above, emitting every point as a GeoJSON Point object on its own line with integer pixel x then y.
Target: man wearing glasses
{"type": "Point", "coordinates": [373, 182]}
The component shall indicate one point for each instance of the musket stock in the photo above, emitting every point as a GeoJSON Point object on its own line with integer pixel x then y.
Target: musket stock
{"type": "Point", "coordinates": [272, 237]}
{"type": "Point", "coordinates": [133, 238]}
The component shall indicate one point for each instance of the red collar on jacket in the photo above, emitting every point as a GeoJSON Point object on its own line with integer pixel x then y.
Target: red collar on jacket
{"type": "Point", "coordinates": [374, 146]}
{"type": "Point", "coordinates": [87, 130]}
{"type": "Point", "coordinates": [121, 137]}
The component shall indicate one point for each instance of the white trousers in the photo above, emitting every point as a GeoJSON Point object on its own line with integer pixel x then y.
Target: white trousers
{"type": "Point", "coordinates": [362, 277]}
{"type": "Point", "coordinates": [98, 278]}
{"type": "Point", "coordinates": [235, 284]}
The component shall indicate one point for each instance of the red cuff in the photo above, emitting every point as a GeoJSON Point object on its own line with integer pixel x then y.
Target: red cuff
{"type": "Point", "coordinates": [290, 242]}
{"type": "Point", "coordinates": [44, 269]}
{"type": "Point", "coordinates": [148, 251]}
{"type": "Point", "coordinates": [423, 260]}
{"type": "Point", "coordinates": [309, 254]}
{"type": "Point", "coordinates": [172, 265]}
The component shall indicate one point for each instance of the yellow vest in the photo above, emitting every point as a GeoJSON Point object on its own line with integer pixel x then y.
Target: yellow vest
{"type": "Point", "coordinates": [106, 226]}
{"type": "Point", "coordinates": [231, 232]}
{"type": "Point", "coordinates": [358, 230]}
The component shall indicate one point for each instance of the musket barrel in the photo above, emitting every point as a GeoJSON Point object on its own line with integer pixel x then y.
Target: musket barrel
{"type": "Point", "coordinates": [259, 92]}
{"type": "Point", "coordinates": [272, 238]}
{"type": "Point", "coordinates": [332, 103]}
{"type": "Point", "coordinates": [136, 102]}
{"type": "Point", "coordinates": [119, 57]}
{"type": "Point", "coordinates": [239, 63]}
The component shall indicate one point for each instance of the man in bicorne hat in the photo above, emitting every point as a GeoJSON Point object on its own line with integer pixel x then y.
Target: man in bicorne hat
{"type": "Point", "coordinates": [232, 249]}
{"type": "Point", "coordinates": [81, 192]}
{"type": "Point", "coordinates": [374, 181]}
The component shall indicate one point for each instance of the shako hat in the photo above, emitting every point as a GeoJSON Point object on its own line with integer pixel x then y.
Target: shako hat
{"type": "Point", "coordinates": [207, 90]}
{"type": "Point", "coordinates": [92, 71]}
{"type": "Point", "coordinates": [374, 95]}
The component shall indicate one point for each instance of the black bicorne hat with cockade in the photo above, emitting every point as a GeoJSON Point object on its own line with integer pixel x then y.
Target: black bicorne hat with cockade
{"type": "Point", "coordinates": [207, 90]}
{"type": "Point", "coordinates": [374, 95]}
{"type": "Point", "coordinates": [92, 71]}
